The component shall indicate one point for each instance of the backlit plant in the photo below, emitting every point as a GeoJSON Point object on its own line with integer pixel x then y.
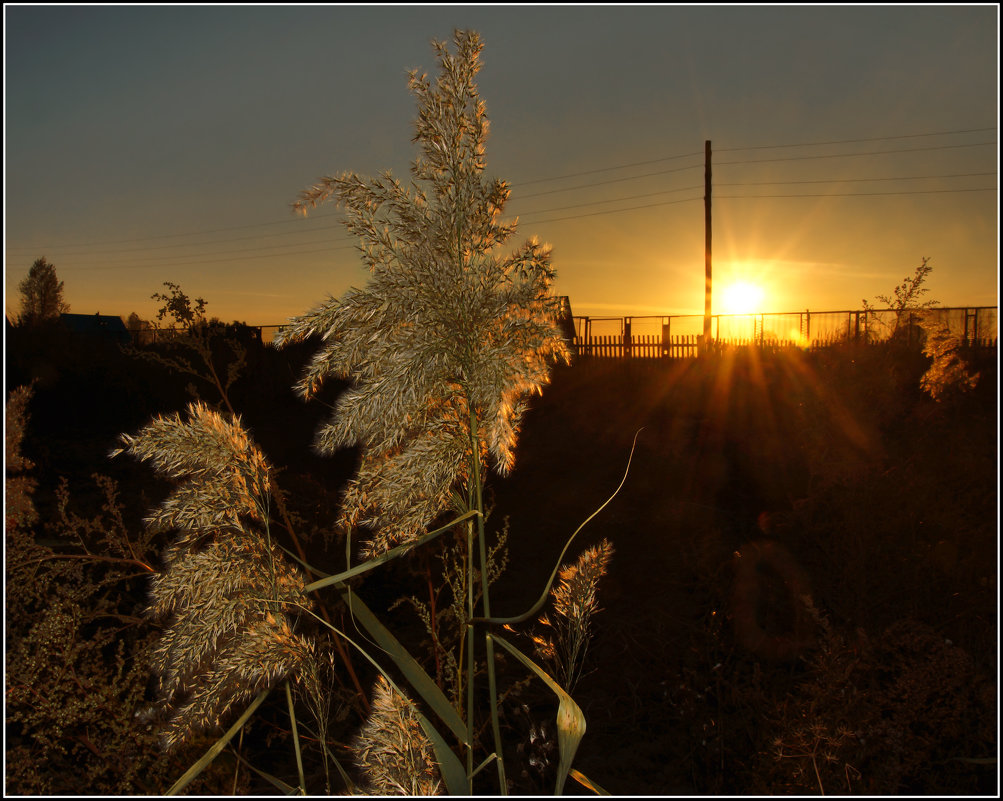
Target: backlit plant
{"type": "Point", "coordinates": [440, 351]}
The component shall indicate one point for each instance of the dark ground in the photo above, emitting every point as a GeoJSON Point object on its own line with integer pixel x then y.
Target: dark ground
{"type": "Point", "coordinates": [887, 500]}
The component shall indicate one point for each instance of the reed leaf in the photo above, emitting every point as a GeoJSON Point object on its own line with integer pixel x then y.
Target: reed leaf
{"type": "Point", "coordinates": [376, 561]}
{"type": "Point", "coordinates": [413, 672]}
{"type": "Point", "coordinates": [217, 747]}
{"type": "Point", "coordinates": [586, 782]}
{"type": "Point", "coordinates": [570, 719]}
{"type": "Point", "coordinates": [275, 781]}
{"type": "Point", "coordinates": [450, 767]}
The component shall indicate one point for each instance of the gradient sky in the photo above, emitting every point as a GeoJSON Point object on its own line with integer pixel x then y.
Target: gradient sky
{"type": "Point", "coordinates": [153, 144]}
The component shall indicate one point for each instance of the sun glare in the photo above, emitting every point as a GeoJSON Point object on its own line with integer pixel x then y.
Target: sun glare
{"type": "Point", "coordinates": [741, 297]}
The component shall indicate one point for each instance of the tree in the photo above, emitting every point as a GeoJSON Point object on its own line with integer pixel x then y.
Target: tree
{"type": "Point", "coordinates": [904, 299]}
{"type": "Point", "coordinates": [191, 331]}
{"type": "Point", "coordinates": [41, 294]}
{"type": "Point", "coordinates": [178, 308]}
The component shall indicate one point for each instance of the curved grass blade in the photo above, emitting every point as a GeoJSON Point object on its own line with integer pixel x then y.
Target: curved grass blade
{"type": "Point", "coordinates": [453, 773]}
{"type": "Point", "coordinates": [570, 719]}
{"type": "Point", "coordinates": [214, 750]}
{"type": "Point", "coordinates": [546, 590]}
{"type": "Point", "coordinates": [275, 781]}
{"type": "Point", "coordinates": [413, 672]}
{"type": "Point", "coordinates": [586, 782]}
{"type": "Point", "coordinates": [487, 761]}
{"type": "Point", "coordinates": [393, 553]}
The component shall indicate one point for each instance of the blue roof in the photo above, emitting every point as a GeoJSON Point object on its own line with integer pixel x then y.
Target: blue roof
{"type": "Point", "coordinates": [95, 324]}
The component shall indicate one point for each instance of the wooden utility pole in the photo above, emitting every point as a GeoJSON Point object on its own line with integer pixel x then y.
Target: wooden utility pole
{"type": "Point", "coordinates": [707, 246]}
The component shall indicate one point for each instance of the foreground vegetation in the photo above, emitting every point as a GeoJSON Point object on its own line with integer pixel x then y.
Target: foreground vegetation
{"type": "Point", "coordinates": [790, 589]}
{"type": "Point", "coordinates": [885, 497]}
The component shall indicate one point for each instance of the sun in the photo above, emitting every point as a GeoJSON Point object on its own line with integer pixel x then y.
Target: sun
{"type": "Point", "coordinates": [741, 297]}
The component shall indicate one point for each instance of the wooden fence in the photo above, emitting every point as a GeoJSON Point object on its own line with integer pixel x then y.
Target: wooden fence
{"type": "Point", "coordinates": [974, 326]}
{"type": "Point", "coordinates": [650, 346]}
{"type": "Point", "coordinates": [688, 346]}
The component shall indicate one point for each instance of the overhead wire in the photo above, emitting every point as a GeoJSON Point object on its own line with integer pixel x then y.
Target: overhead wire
{"type": "Point", "coordinates": [232, 255]}
{"type": "Point", "coordinates": [857, 141]}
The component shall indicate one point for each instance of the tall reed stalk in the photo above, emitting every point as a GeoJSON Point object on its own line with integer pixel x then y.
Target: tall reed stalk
{"type": "Point", "coordinates": [440, 350]}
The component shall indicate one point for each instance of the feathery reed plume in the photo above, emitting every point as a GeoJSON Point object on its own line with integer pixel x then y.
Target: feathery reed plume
{"type": "Point", "coordinates": [226, 588]}
{"type": "Point", "coordinates": [575, 601]}
{"type": "Point", "coordinates": [450, 332]}
{"type": "Point", "coordinates": [391, 749]}
{"type": "Point", "coordinates": [949, 369]}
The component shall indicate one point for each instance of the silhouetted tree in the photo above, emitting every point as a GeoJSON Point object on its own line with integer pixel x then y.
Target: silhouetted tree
{"type": "Point", "coordinates": [41, 294]}
{"type": "Point", "coordinates": [139, 328]}
{"type": "Point", "coordinates": [178, 308]}
{"type": "Point", "coordinates": [906, 299]}
{"type": "Point", "coordinates": [192, 331]}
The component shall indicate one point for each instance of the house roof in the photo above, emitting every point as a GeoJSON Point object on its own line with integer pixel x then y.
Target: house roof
{"type": "Point", "coordinates": [95, 324]}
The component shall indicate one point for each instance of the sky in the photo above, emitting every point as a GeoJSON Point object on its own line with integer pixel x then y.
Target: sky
{"type": "Point", "coordinates": [149, 144]}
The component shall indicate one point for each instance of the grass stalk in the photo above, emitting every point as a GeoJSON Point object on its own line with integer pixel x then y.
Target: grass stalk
{"type": "Point", "coordinates": [470, 656]}
{"type": "Point", "coordinates": [478, 492]}
{"type": "Point", "coordinates": [296, 738]}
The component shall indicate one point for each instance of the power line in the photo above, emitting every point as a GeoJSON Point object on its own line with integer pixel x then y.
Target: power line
{"type": "Point", "coordinates": [864, 194]}
{"type": "Point", "coordinates": [566, 189]}
{"type": "Point", "coordinates": [853, 155]}
{"type": "Point", "coordinates": [615, 211]}
{"type": "Point", "coordinates": [755, 147]}
{"type": "Point", "coordinates": [560, 178]}
{"type": "Point", "coordinates": [853, 141]}
{"type": "Point", "coordinates": [859, 180]}
{"type": "Point", "coordinates": [610, 169]}
{"type": "Point", "coordinates": [174, 236]}
{"type": "Point", "coordinates": [75, 268]}
{"type": "Point", "coordinates": [610, 181]}
{"type": "Point", "coordinates": [173, 260]}
{"type": "Point", "coordinates": [180, 244]}
{"type": "Point", "coordinates": [560, 208]}
{"type": "Point", "coordinates": [616, 199]}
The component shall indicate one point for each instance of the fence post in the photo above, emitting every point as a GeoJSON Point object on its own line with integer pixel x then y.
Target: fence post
{"type": "Point", "coordinates": [627, 343]}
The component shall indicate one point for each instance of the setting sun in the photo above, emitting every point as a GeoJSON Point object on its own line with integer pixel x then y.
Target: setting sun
{"type": "Point", "coordinates": [741, 297]}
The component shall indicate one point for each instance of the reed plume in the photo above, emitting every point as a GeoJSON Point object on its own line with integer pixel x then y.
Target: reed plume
{"type": "Point", "coordinates": [392, 751]}
{"type": "Point", "coordinates": [450, 334]}
{"type": "Point", "coordinates": [226, 591]}
{"type": "Point", "coordinates": [575, 600]}
{"type": "Point", "coordinates": [949, 371]}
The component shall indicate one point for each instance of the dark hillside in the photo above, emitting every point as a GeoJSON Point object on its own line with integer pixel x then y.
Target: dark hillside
{"type": "Point", "coordinates": [833, 466]}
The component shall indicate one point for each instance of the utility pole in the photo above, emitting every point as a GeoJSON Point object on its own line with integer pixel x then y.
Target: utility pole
{"type": "Point", "coordinates": [707, 246]}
